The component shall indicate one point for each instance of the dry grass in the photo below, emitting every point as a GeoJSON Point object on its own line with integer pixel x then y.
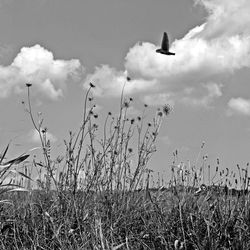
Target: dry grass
{"type": "Point", "coordinates": [94, 198]}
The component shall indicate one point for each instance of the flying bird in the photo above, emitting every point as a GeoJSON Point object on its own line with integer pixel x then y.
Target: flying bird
{"type": "Point", "coordinates": [165, 46]}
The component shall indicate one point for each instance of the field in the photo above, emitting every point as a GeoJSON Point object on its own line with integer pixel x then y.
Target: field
{"type": "Point", "coordinates": [94, 198]}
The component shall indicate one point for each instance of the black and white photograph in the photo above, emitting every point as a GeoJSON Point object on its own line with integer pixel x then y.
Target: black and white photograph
{"type": "Point", "coordinates": [125, 124]}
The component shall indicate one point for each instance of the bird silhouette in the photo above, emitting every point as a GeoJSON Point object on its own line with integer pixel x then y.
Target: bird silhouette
{"type": "Point", "coordinates": [165, 46]}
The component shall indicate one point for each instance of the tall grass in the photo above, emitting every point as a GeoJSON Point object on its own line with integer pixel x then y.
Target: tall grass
{"type": "Point", "coordinates": [99, 194]}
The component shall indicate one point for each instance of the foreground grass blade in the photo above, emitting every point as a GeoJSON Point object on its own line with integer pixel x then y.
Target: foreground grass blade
{"type": "Point", "coordinates": [20, 189]}
{"type": "Point", "coordinates": [17, 160]}
{"type": "Point", "coordinates": [5, 152]}
{"type": "Point", "coordinates": [118, 246]}
{"type": "Point", "coordinates": [3, 167]}
{"type": "Point", "coordinates": [6, 202]}
{"type": "Point", "coordinates": [21, 173]}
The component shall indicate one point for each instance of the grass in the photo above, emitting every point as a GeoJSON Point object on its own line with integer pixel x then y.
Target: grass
{"type": "Point", "coordinates": [95, 198]}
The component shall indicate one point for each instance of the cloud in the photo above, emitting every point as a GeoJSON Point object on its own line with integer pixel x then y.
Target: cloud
{"type": "Point", "coordinates": [213, 91]}
{"type": "Point", "coordinates": [38, 66]}
{"type": "Point", "coordinates": [196, 97]}
{"type": "Point", "coordinates": [239, 105]}
{"type": "Point", "coordinates": [218, 47]}
{"type": "Point", "coordinates": [194, 56]}
{"type": "Point", "coordinates": [159, 99]}
{"type": "Point", "coordinates": [226, 18]}
{"type": "Point", "coordinates": [34, 136]}
{"type": "Point", "coordinates": [132, 111]}
{"type": "Point", "coordinates": [109, 82]}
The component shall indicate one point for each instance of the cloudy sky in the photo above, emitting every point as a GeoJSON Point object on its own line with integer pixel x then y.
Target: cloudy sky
{"type": "Point", "coordinates": [60, 46]}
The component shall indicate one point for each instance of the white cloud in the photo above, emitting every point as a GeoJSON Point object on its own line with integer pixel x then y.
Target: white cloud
{"type": "Point", "coordinates": [239, 105]}
{"type": "Point", "coordinates": [201, 97]}
{"type": "Point", "coordinates": [34, 136]}
{"type": "Point", "coordinates": [132, 111]}
{"type": "Point", "coordinates": [219, 46]}
{"type": "Point", "coordinates": [38, 66]}
{"type": "Point", "coordinates": [193, 56]}
{"type": "Point", "coordinates": [109, 82]}
{"type": "Point", "coordinates": [226, 18]}
{"type": "Point", "coordinates": [159, 99]}
{"type": "Point", "coordinates": [212, 89]}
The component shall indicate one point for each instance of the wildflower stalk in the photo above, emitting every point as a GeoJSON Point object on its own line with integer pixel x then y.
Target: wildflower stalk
{"type": "Point", "coordinates": [43, 139]}
{"type": "Point", "coordinates": [115, 150]}
{"type": "Point", "coordinates": [82, 129]}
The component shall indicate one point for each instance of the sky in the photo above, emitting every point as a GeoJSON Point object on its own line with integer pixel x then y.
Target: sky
{"type": "Point", "coordinates": [60, 46]}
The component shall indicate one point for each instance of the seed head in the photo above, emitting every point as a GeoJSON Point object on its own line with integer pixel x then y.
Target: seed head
{"type": "Point", "coordinates": [160, 113]}
{"type": "Point", "coordinates": [44, 130]}
{"type": "Point", "coordinates": [91, 85]}
{"type": "Point", "coordinates": [126, 104]}
{"type": "Point", "coordinates": [167, 109]}
{"type": "Point", "coordinates": [28, 85]}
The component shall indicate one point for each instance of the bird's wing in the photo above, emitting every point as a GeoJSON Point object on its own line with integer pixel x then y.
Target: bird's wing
{"type": "Point", "coordinates": [165, 42]}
